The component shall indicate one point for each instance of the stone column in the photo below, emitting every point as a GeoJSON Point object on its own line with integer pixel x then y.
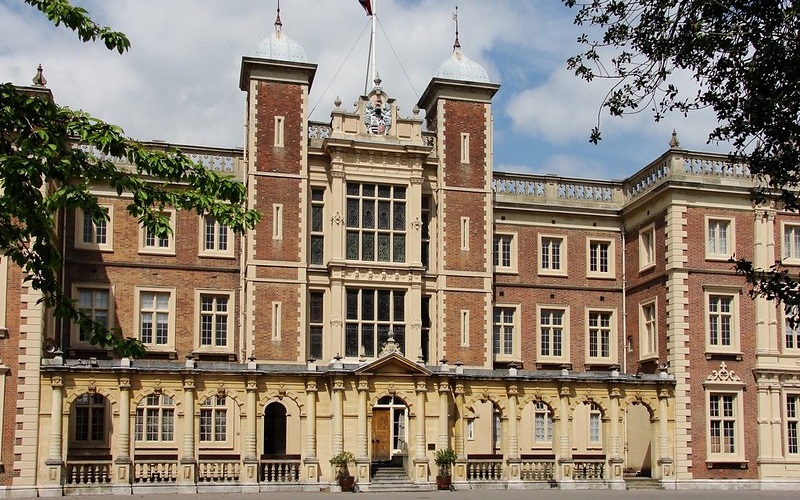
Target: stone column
{"type": "Point", "coordinates": [250, 452]}
{"type": "Point", "coordinates": [664, 455]}
{"type": "Point", "coordinates": [337, 434]}
{"type": "Point", "coordinates": [420, 443]}
{"type": "Point", "coordinates": [615, 460]}
{"type": "Point", "coordinates": [444, 419]}
{"type": "Point", "coordinates": [361, 443]}
{"type": "Point", "coordinates": [512, 444]}
{"type": "Point", "coordinates": [460, 470]}
{"type": "Point", "coordinates": [54, 462]}
{"type": "Point", "coordinates": [564, 424]}
{"type": "Point", "coordinates": [188, 462]}
{"type": "Point", "coordinates": [311, 461]}
{"type": "Point", "coordinates": [122, 462]}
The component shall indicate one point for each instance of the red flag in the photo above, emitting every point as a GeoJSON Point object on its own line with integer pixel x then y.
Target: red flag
{"type": "Point", "coordinates": [367, 6]}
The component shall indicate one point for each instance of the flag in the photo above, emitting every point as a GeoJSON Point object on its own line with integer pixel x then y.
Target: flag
{"type": "Point", "coordinates": [367, 6]}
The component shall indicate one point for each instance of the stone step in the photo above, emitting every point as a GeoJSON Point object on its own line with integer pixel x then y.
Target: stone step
{"type": "Point", "coordinates": [643, 483]}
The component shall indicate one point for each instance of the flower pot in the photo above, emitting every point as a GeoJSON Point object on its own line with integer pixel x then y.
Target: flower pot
{"type": "Point", "coordinates": [443, 482]}
{"type": "Point", "coordinates": [347, 483]}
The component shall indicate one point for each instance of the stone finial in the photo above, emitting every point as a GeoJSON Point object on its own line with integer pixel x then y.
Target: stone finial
{"type": "Point", "coordinates": [39, 80]}
{"type": "Point", "coordinates": [337, 102]}
{"type": "Point", "coordinates": [674, 143]}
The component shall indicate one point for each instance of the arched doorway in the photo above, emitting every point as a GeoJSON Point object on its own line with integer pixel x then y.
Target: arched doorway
{"type": "Point", "coordinates": [638, 441]}
{"type": "Point", "coordinates": [389, 424]}
{"type": "Point", "coordinates": [275, 429]}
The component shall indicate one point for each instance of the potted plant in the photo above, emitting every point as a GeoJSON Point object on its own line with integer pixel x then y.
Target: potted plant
{"type": "Point", "coordinates": [341, 461]}
{"type": "Point", "coordinates": [444, 459]}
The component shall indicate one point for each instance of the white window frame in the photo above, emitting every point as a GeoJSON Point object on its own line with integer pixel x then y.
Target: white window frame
{"type": "Point", "coordinates": [218, 227]}
{"type": "Point", "coordinates": [137, 307]}
{"type": "Point", "coordinates": [792, 419]}
{"type": "Point", "coordinates": [162, 409]}
{"type": "Point", "coordinates": [199, 293]}
{"type": "Point", "coordinates": [594, 412]}
{"type": "Point", "coordinates": [108, 246]}
{"type": "Point", "coordinates": [612, 337]}
{"type": "Point", "coordinates": [500, 266]}
{"type": "Point", "coordinates": [169, 249]}
{"type": "Point", "coordinates": [713, 390]}
{"type": "Point", "coordinates": [470, 429]}
{"type": "Point", "coordinates": [280, 122]}
{"type": "Point", "coordinates": [515, 334]}
{"type": "Point", "coordinates": [565, 335]}
{"type": "Point", "coordinates": [277, 221]}
{"type": "Point", "coordinates": [75, 330]}
{"type": "Point", "coordinates": [230, 422]}
{"type": "Point", "coordinates": [465, 233]}
{"type": "Point", "coordinates": [276, 314]}
{"type": "Point", "coordinates": [464, 147]}
{"type": "Point", "coordinates": [4, 294]}
{"type": "Point", "coordinates": [465, 328]}
{"type": "Point", "coordinates": [562, 255]}
{"type": "Point", "coordinates": [648, 330]}
{"type": "Point", "coordinates": [541, 411]}
{"type": "Point", "coordinates": [733, 293]}
{"type": "Point", "coordinates": [356, 231]}
{"type": "Point", "coordinates": [647, 247]}
{"type": "Point", "coordinates": [790, 244]}
{"type": "Point", "coordinates": [317, 223]}
{"type": "Point", "coordinates": [717, 253]}
{"type": "Point", "coordinates": [611, 264]}
{"type": "Point", "coordinates": [73, 422]}
{"type": "Point", "coordinates": [791, 335]}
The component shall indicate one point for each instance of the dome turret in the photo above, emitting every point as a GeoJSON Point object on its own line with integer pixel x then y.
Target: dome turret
{"type": "Point", "coordinates": [460, 67]}
{"type": "Point", "coordinates": [278, 46]}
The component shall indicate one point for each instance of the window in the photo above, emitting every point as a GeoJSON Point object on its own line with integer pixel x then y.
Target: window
{"type": "Point", "coordinates": [372, 317]}
{"type": "Point", "coordinates": [505, 258]}
{"type": "Point", "coordinates": [214, 419]}
{"type": "Point", "coordinates": [426, 231]}
{"type": "Point", "coordinates": [595, 425]}
{"type": "Point", "coordinates": [90, 419]}
{"type": "Point", "coordinates": [542, 424]}
{"type": "Point", "coordinates": [464, 147]}
{"type": "Point", "coordinates": [95, 302]}
{"type": "Point", "coordinates": [425, 331]}
{"type": "Point", "coordinates": [279, 121]}
{"type": "Point", "coordinates": [317, 228]}
{"type": "Point", "coordinates": [3, 293]}
{"type": "Point", "coordinates": [215, 320]}
{"type": "Point", "coordinates": [552, 255]}
{"type": "Point", "coordinates": [465, 233]}
{"type": "Point", "coordinates": [553, 344]}
{"type": "Point", "coordinates": [791, 244]}
{"type": "Point", "coordinates": [503, 339]}
{"type": "Point", "coordinates": [722, 424]}
{"type": "Point", "coordinates": [471, 429]}
{"type": "Point", "coordinates": [156, 319]}
{"type": "Point", "coordinates": [150, 242]}
{"type": "Point", "coordinates": [216, 238]}
{"type": "Point", "coordinates": [155, 419]}
{"type": "Point", "coordinates": [647, 247]}
{"type": "Point", "coordinates": [719, 238]}
{"type": "Point", "coordinates": [277, 221]}
{"type": "Point", "coordinates": [648, 330]}
{"type": "Point", "coordinates": [791, 332]}
{"type": "Point", "coordinates": [600, 262]}
{"type": "Point", "coordinates": [315, 324]}
{"type": "Point", "coordinates": [722, 322]}
{"type": "Point", "coordinates": [602, 338]}
{"type": "Point", "coordinates": [792, 420]}
{"type": "Point", "coordinates": [376, 222]}
{"type": "Point", "coordinates": [276, 320]}
{"type": "Point", "coordinates": [464, 328]}
{"type": "Point", "coordinates": [95, 233]}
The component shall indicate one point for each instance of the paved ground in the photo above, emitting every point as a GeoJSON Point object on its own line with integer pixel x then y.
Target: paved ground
{"type": "Point", "coordinates": [483, 495]}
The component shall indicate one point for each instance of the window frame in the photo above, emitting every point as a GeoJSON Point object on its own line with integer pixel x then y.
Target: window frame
{"type": "Point", "coordinates": [199, 294]}
{"type": "Point", "coordinates": [562, 255]}
{"type": "Point", "coordinates": [359, 232]}
{"type": "Point", "coordinates": [108, 245]}
{"type": "Point", "coordinates": [73, 423]}
{"type": "Point", "coordinates": [74, 333]}
{"type": "Point", "coordinates": [137, 308]}
{"type": "Point", "coordinates": [316, 323]}
{"type": "Point", "coordinates": [393, 323]}
{"type": "Point", "coordinates": [730, 247]}
{"type": "Point", "coordinates": [611, 258]}
{"type": "Point", "coordinates": [594, 410]}
{"type": "Point", "coordinates": [541, 408]}
{"type": "Point", "coordinates": [230, 422]}
{"type": "Point", "coordinates": [733, 293]}
{"type": "Point", "coordinates": [227, 253]}
{"type": "Point", "coordinates": [792, 423]}
{"type": "Point", "coordinates": [497, 263]}
{"type": "Point", "coordinates": [645, 334]}
{"type": "Point", "coordinates": [721, 390]}
{"type": "Point", "coordinates": [146, 249]}
{"type": "Point", "coordinates": [647, 249]}
{"type": "Point", "coordinates": [794, 259]}
{"type": "Point", "coordinates": [316, 233]}
{"type": "Point", "coordinates": [600, 360]}
{"type": "Point", "coordinates": [140, 430]}
{"type": "Point", "coordinates": [565, 335]}
{"type": "Point", "coordinates": [795, 336]}
{"type": "Point", "coordinates": [515, 334]}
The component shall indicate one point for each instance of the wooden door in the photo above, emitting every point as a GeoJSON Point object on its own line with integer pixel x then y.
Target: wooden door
{"type": "Point", "coordinates": [381, 435]}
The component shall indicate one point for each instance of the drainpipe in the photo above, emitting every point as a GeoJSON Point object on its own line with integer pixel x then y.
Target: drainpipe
{"type": "Point", "coordinates": [624, 307]}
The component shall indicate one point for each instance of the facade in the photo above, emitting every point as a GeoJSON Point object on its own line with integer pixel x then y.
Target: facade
{"type": "Point", "coordinates": [400, 297]}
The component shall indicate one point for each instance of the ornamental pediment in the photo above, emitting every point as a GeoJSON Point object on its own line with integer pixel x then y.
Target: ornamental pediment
{"type": "Point", "coordinates": [393, 363]}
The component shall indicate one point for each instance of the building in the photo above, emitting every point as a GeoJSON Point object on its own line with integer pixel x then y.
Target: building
{"type": "Point", "coordinates": [400, 297]}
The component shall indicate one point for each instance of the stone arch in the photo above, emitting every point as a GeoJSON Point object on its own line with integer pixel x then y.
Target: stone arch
{"type": "Point", "coordinates": [496, 401]}
{"type": "Point", "coordinates": [141, 395]}
{"type": "Point", "coordinates": [646, 402]}
{"type": "Point", "coordinates": [78, 392]}
{"type": "Point", "coordinates": [402, 395]}
{"type": "Point", "coordinates": [283, 397]}
{"type": "Point", "coordinates": [552, 403]}
{"type": "Point", "coordinates": [591, 398]}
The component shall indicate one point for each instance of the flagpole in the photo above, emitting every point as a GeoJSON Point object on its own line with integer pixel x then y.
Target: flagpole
{"type": "Point", "coordinates": [373, 69]}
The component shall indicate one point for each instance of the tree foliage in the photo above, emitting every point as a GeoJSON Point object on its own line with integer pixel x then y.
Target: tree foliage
{"type": "Point", "coordinates": [44, 174]}
{"type": "Point", "coordinates": [744, 57]}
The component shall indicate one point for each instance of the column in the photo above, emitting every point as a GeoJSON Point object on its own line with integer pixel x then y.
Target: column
{"type": "Point", "coordinates": [337, 434]}
{"type": "Point", "coordinates": [444, 419]}
{"type": "Point", "coordinates": [512, 444]}
{"type": "Point", "coordinates": [420, 443]}
{"type": "Point", "coordinates": [188, 463]}
{"type": "Point", "coordinates": [664, 455]}
{"type": "Point", "coordinates": [250, 452]}
{"type": "Point", "coordinates": [564, 429]}
{"type": "Point", "coordinates": [54, 462]}
{"type": "Point", "coordinates": [615, 460]}
{"type": "Point", "coordinates": [460, 470]}
{"type": "Point", "coordinates": [122, 462]}
{"type": "Point", "coordinates": [311, 461]}
{"type": "Point", "coordinates": [362, 450]}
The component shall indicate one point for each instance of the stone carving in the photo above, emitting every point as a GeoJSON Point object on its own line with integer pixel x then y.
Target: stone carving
{"type": "Point", "coordinates": [723, 375]}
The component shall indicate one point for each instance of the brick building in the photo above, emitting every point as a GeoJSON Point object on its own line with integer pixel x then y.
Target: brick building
{"type": "Point", "coordinates": [400, 297]}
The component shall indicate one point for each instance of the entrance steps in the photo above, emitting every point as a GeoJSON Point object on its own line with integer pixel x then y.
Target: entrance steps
{"type": "Point", "coordinates": [391, 476]}
{"type": "Point", "coordinates": [642, 483]}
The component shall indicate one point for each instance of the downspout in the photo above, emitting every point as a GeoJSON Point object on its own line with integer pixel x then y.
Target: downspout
{"type": "Point", "coordinates": [624, 307]}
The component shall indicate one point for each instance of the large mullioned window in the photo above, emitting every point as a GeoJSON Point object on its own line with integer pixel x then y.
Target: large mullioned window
{"type": "Point", "coordinates": [372, 316]}
{"type": "Point", "coordinates": [376, 222]}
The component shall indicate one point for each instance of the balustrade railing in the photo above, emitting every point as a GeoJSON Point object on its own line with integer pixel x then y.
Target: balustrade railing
{"type": "Point", "coordinates": [218, 471]}
{"type": "Point", "coordinates": [490, 469]}
{"type": "Point", "coordinates": [155, 471]}
{"type": "Point", "coordinates": [88, 472]}
{"type": "Point", "coordinates": [537, 469]}
{"type": "Point", "coordinates": [279, 471]}
{"type": "Point", "coordinates": [588, 469]}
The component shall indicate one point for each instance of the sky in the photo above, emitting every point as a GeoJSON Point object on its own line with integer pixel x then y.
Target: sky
{"type": "Point", "coordinates": [179, 81]}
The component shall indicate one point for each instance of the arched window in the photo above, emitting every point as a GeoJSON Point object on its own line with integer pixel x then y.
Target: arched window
{"type": "Point", "coordinates": [90, 418]}
{"type": "Point", "coordinates": [155, 418]}
{"type": "Point", "coordinates": [542, 423]}
{"type": "Point", "coordinates": [214, 419]}
{"type": "Point", "coordinates": [595, 419]}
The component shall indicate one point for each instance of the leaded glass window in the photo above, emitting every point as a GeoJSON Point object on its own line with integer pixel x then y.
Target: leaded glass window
{"type": "Point", "coordinates": [317, 228]}
{"type": "Point", "coordinates": [376, 222]}
{"type": "Point", "coordinates": [372, 317]}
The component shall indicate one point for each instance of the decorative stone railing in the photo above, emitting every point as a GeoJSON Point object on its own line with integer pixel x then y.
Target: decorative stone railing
{"type": "Point", "coordinates": [549, 189]}
{"type": "Point", "coordinates": [153, 471]}
{"type": "Point", "coordinates": [88, 472]}
{"type": "Point", "coordinates": [218, 471]}
{"type": "Point", "coordinates": [485, 469]}
{"type": "Point", "coordinates": [279, 471]}
{"type": "Point", "coordinates": [588, 469]}
{"type": "Point", "coordinates": [318, 130]}
{"type": "Point", "coordinates": [429, 138]}
{"type": "Point", "coordinates": [538, 470]}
